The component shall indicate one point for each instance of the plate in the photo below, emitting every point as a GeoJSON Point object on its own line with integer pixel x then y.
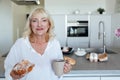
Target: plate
{"type": "Point", "coordinates": [80, 53]}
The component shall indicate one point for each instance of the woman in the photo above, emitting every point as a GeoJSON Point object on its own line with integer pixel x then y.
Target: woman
{"type": "Point", "coordinates": [38, 46]}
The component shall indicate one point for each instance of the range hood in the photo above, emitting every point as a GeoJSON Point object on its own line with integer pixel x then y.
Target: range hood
{"type": "Point", "coordinates": [26, 2]}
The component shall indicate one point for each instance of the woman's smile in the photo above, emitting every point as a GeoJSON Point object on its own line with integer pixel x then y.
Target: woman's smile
{"type": "Point", "coordinates": [39, 29]}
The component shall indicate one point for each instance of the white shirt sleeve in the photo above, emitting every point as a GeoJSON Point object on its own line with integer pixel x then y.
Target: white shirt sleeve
{"type": "Point", "coordinates": [10, 61]}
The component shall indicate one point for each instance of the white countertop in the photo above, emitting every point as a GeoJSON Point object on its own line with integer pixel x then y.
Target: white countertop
{"type": "Point", "coordinates": [93, 73]}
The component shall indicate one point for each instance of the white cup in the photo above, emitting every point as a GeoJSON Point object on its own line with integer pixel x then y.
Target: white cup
{"type": "Point", "coordinates": [58, 67]}
{"type": "Point", "coordinates": [65, 49]}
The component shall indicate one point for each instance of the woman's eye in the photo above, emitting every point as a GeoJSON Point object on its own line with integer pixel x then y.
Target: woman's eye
{"type": "Point", "coordinates": [33, 20]}
{"type": "Point", "coordinates": [44, 20]}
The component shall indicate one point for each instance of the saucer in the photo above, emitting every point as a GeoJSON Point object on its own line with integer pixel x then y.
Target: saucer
{"type": "Point", "coordinates": [80, 53]}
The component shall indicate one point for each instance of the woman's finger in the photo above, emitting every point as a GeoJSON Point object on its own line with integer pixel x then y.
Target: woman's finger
{"type": "Point", "coordinates": [67, 67]}
{"type": "Point", "coordinates": [14, 76]}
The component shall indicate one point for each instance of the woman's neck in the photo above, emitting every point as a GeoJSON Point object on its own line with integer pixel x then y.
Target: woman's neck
{"type": "Point", "coordinates": [38, 39]}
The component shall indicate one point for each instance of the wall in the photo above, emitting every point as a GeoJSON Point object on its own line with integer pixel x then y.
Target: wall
{"type": "Point", "coordinates": [69, 6]}
{"type": "Point", "coordinates": [6, 26]}
{"type": "Point", "coordinates": [111, 6]}
{"type": "Point", "coordinates": [19, 19]}
{"type": "Point", "coordinates": [12, 22]}
{"type": "Point", "coordinates": [117, 6]}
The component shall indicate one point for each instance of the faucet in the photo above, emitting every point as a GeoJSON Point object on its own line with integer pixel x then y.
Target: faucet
{"type": "Point", "coordinates": [103, 34]}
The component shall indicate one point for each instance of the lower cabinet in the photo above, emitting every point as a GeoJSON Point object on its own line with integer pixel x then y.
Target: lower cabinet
{"type": "Point", "coordinates": [2, 78]}
{"type": "Point", "coordinates": [89, 78]}
{"type": "Point", "coordinates": [110, 78]}
{"type": "Point", "coordinates": [81, 78]}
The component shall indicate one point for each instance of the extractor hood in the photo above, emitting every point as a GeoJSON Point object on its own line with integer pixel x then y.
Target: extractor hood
{"type": "Point", "coordinates": [26, 2]}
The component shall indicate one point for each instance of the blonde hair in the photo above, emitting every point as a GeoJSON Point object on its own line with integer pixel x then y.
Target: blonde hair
{"type": "Point", "coordinates": [44, 13]}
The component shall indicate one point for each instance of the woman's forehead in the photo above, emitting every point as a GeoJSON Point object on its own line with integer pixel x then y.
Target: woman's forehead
{"type": "Point", "coordinates": [39, 17]}
{"type": "Point", "coordinates": [39, 14]}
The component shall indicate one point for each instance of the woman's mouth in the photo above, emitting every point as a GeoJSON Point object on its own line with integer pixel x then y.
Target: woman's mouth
{"type": "Point", "coordinates": [39, 29]}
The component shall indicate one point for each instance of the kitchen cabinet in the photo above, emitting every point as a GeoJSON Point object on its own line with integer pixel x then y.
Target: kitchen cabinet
{"type": "Point", "coordinates": [110, 78]}
{"type": "Point", "coordinates": [96, 39]}
{"type": "Point", "coordinates": [93, 41]}
{"type": "Point", "coordinates": [79, 25]}
{"type": "Point", "coordinates": [78, 42]}
{"type": "Point", "coordinates": [60, 22]}
{"type": "Point", "coordinates": [2, 78]}
{"type": "Point", "coordinates": [81, 78]}
{"type": "Point", "coordinates": [90, 78]}
{"type": "Point", "coordinates": [60, 25]}
{"type": "Point", "coordinates": [81, 17]}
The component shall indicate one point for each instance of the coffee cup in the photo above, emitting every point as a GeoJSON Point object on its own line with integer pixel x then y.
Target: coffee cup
{"type": "Point", "coordinates": [65, 49]}
{"type": "Point", "coordinates": [58, 67]}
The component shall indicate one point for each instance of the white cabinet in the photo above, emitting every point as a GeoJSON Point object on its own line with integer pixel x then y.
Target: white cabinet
{"type": "Point", "coordinates": [2, 78]}
{"type": "Point", "coordinates": [110, 78]}
{"type": "Point", "coordinates": [78, 41]}
{"type": "Point", "coordinates": [60, 25]}
{"type": "Point", "coordinates": [77, 17]}
{"type": "Point", "coordinates": [60, 21]}
{"type": "Point", "coordinates": [90, 78]}
{"type": "Point", "coordinates": [81, 78]}
{"type": "Point", "coordinates": [95, 20]}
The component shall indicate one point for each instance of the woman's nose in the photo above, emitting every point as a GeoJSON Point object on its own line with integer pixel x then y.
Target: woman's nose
{"type": "Point", "coordinates": [39, 24]}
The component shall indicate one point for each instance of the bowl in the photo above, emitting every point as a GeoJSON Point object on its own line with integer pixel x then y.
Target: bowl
{"type": "Point", "coordinates": [80, 53]}
{"type": "Point", "coordinates": [67, 50]}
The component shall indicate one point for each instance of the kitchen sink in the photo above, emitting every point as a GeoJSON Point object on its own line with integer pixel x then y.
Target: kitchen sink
{"type": "Point", "coordinates": [99, 50]}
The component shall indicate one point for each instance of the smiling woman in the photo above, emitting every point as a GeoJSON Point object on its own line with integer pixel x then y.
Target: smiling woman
{"type": "Point", "coordinates": [38, 46]}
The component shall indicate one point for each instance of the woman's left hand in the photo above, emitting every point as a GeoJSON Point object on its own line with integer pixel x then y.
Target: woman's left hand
{"type": "Point", "coordinates": [67, 67]}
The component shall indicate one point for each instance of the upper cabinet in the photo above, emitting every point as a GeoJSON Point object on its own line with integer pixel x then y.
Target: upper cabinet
{"type": "Point", "coordinates": [66, 24]}
{"type": "Point", "coordinates": [77, 31]}
{"type": "Point", "coordinates": [97, 29]}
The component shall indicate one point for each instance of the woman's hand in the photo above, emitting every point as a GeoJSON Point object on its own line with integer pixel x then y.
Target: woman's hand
{"type": "Point", "coordinates": [14, 76]}
{"type": "Point", "coordinates": [67, 67]}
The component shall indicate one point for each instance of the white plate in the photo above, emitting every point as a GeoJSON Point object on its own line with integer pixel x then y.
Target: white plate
{"type": "Point", "coordinates": [80, 53]}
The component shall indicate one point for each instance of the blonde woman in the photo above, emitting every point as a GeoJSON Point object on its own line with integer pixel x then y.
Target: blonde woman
{"type": "Point", "coordinates": [38, 46]}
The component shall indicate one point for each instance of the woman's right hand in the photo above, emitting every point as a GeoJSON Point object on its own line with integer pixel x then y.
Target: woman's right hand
{"type": "Point", "coordinates": [14, 76]}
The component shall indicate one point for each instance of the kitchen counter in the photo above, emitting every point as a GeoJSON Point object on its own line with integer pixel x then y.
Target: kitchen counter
{"type": "Point", "coordinates": [2, 67]}
{"type": "Point", "coordinates": [84, 67]}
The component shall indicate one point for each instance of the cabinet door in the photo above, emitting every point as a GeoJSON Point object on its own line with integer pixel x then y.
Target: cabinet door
{"type": "Point", "coordinates": [60, 25]}
{"type": "Point", "coordinates": [110, 78]}
{"type": "Point", "coordinates": [96, 40]}
{"type": "Point", "coordinates": [81, 78]}
{"type": "Point", "coordinates": [2, 78]}
{"type": "Point", "coordinates": [77, 41]}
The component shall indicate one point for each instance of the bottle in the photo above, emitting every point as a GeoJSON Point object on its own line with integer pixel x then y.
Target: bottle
{"type": "Point", "coordinates": [71, 31]}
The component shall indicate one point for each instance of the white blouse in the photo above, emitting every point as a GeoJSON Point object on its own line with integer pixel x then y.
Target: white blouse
{"type": "Point", "coordinates": [42, 70]}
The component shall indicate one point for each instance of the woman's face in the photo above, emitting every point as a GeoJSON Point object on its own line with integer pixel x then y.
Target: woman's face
{"type": "Point", "coordinates": [39, 25]}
